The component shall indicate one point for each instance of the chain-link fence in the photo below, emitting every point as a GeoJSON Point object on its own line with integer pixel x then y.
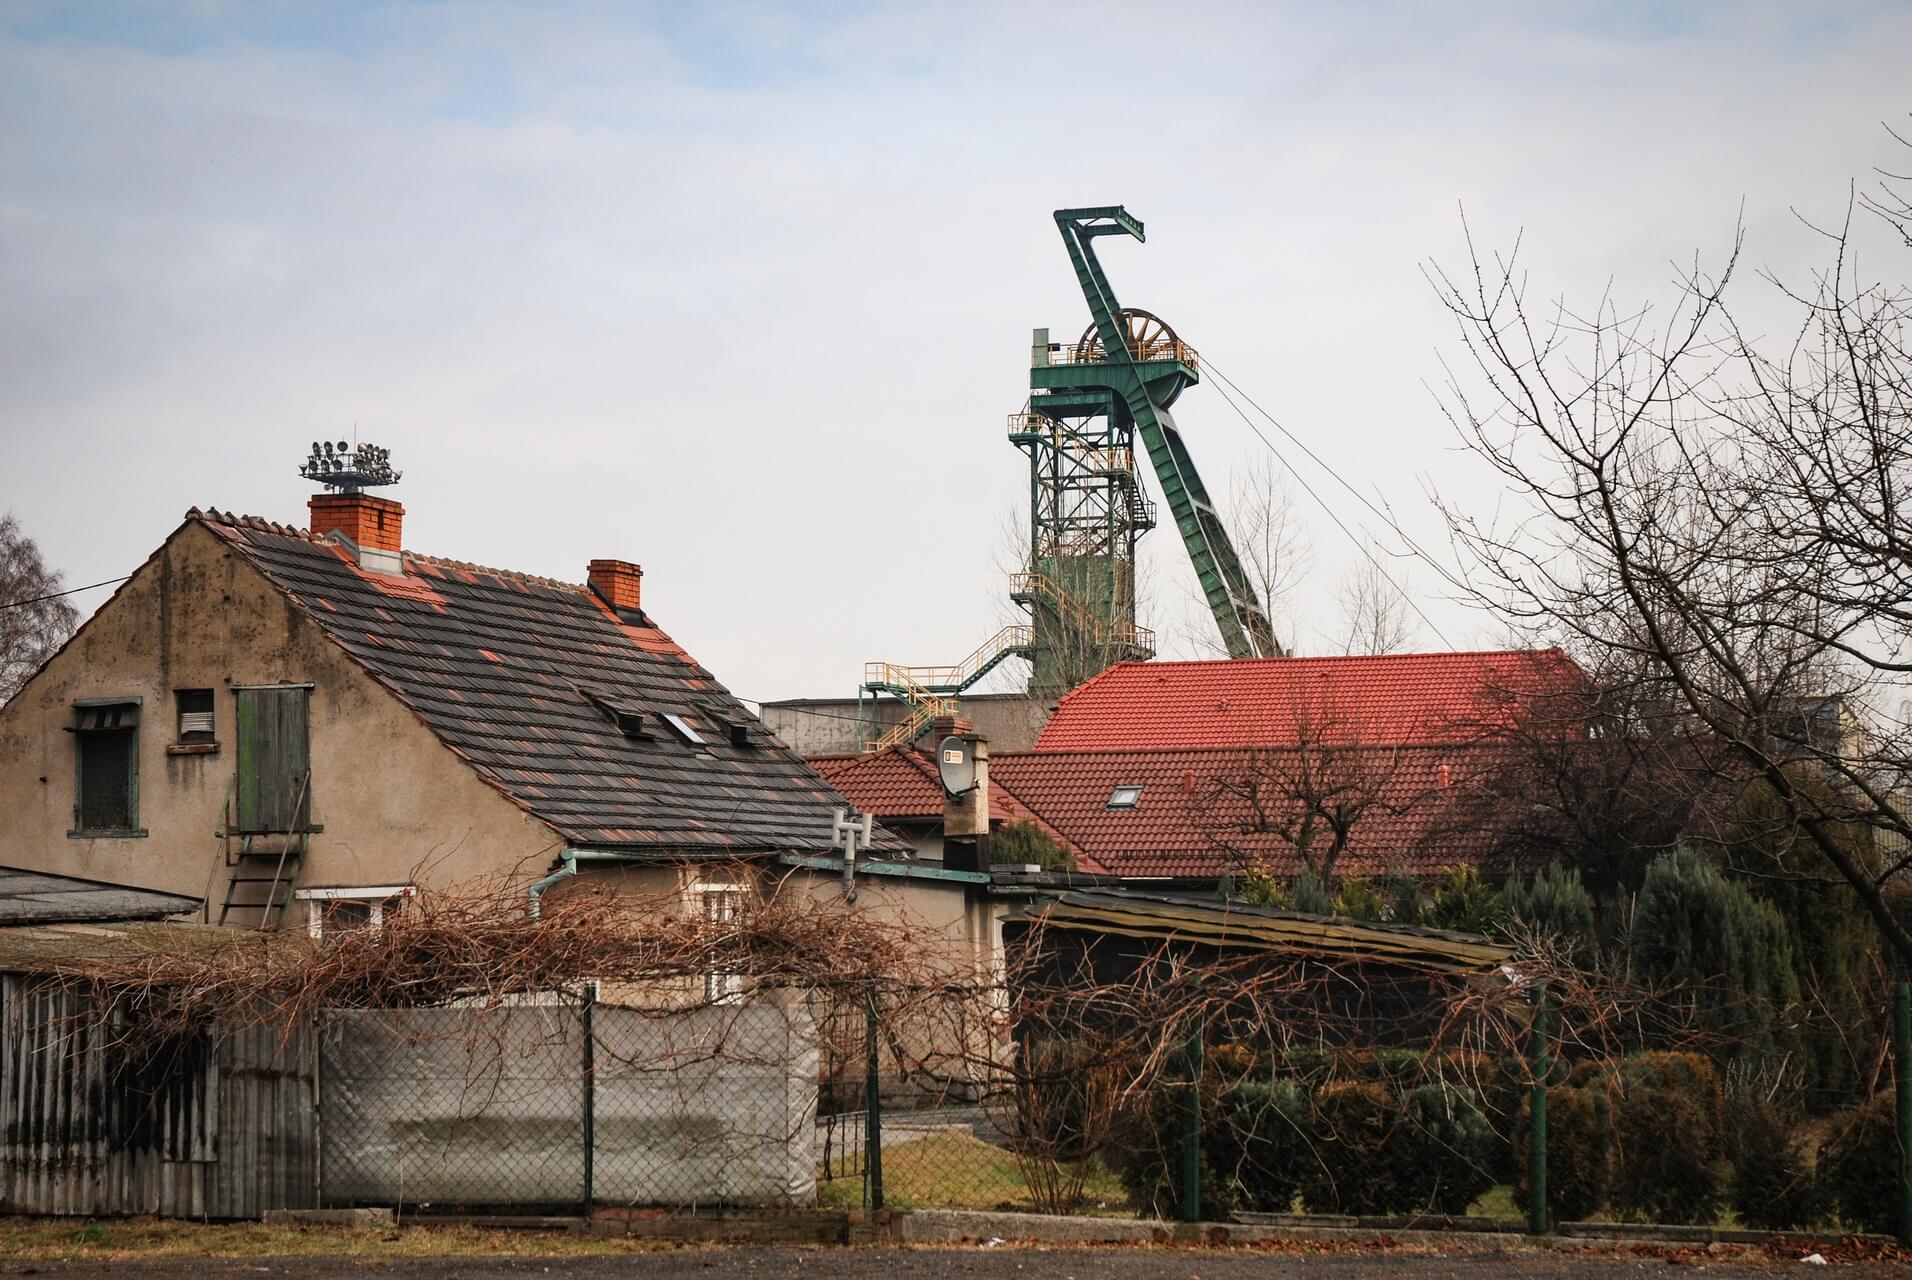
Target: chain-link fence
{"type": "Point", "coordinates": [1216, 1116]}
{"type": "Point", "coordinates": [558, 1104]}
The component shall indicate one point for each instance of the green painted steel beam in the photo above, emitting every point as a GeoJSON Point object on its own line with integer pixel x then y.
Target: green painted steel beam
{"type": "Point", "coordinates": [1148, 388]}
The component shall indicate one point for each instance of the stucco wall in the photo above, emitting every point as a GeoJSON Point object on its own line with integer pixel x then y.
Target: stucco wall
{"type": "Point", "coordinates": [396, 805]}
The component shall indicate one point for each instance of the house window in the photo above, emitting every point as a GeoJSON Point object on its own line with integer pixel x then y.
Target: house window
{"type": "Point", "coordinates": [334, 911]}
{"type": "Point", "coordinates": [722, 904]}
{"type": "Point", "coordinates": [195, 716]}
{"type": "Point", "coordinates": [106, 767]}
{"type": "Point", "coordinates": [1125, 797]}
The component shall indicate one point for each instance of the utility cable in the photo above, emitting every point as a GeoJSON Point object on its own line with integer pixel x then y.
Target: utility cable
{"type": "Point", "coordinates": [1333, 515]}
{"type": "Point", "coordinates": [1386, 516]}
{"type": "Point", "coordinates": [21, 604]}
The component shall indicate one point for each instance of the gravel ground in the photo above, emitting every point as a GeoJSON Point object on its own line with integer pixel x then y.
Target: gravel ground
{"type": "Point", "coordinates": [978, 1264]}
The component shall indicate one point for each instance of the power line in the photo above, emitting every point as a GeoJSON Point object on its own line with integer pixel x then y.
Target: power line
{"type": "Point", "coordinates": [20, 604]}
{"type": "Point", "coordinates": [1309, 489]}
{"type": "Point", "coordinates": [1385, 516]}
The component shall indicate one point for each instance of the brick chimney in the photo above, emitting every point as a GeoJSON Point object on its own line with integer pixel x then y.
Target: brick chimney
{"type": "Point", "coordinates": [374, 526]}
{"type": "Point", "coordinates": [616, 583]}
{"type": "Point", "coordinates": [950, 726]}
{"type": "Point", "coordinates": [367, 521]}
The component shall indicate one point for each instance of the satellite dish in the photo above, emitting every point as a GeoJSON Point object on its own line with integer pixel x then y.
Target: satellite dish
{"type": "Point", "coordinates": [956, 761]}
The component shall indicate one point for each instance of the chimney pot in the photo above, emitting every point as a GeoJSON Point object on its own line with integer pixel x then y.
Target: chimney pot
{"type": "Point", "coordinates": [950, 727]}
{"type": "Point", "coordinates": [616, 583]}
{"type": "Point", "coordinates": [374, 526]}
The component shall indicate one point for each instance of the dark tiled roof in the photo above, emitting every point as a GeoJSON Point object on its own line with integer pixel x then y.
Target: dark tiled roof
{"type": "Point", "coordinates": [1404, 697]}
{"type": "Point", "coordinates": [34, 897]}
{"type": "Point", "coordinates": [520, 676]}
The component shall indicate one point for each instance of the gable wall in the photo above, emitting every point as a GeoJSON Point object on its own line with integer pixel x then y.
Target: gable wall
{"type": "Point", "coordinates": [397, 805]}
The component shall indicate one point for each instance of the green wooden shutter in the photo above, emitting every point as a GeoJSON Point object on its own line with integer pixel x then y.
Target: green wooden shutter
{"type": "Point", "coordinates": [274, 754]}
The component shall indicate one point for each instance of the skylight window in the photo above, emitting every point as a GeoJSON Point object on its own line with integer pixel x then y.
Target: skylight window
{"type": "Point", "coordinates": [683, 729]}
{"type": "Point", "coordinates": [1125, 797]}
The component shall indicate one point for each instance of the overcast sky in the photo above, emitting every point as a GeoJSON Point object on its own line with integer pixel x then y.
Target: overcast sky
{"type": "Point", "coordinates": [743, 292]}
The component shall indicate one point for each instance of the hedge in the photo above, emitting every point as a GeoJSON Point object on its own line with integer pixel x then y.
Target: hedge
{"type": "Point", "coordinates": [1579, 1152]}
{"type": "Point", "coordinates": [1860, 1166]}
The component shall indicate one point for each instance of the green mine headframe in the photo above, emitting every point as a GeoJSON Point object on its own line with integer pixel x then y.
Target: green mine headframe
{"type": "Point", "coordinates": [1087, 507]}
{"type": "Point", "coordinates": [1087, 404]}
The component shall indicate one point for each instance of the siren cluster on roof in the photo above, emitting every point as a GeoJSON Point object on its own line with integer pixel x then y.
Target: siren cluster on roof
{"type": "Point", "coordinates": [348, 470]}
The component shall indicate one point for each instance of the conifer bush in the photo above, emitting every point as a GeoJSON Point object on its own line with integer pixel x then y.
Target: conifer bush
{"type": "Point", "coordinates": [1260, 1143]}
{"type": "Point", "coordinates": [1554, 904]}
{"type": "Point", "coordinates": [1859, 1166]}
{"type": "Point", "coordinates": [1353, 1170]}
{"type": "Point", "coordinates": [1775, 1187]}
{"type": "Point", "coordinates": [1579, 1152]}
{"type": "Point", "coordinates": [1445, 1151]}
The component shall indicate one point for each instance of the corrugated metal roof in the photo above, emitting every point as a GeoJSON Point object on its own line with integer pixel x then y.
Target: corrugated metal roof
{"type": "Point", "coordinates": [1232, 925]}
{"type": "Point", "coordinates": [36, 897]}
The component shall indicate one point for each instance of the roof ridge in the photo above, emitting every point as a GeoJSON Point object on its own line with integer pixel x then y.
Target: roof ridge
{"type": "Point", "coordinates": [445, 562]}
{"type": "Point", "coordinates": [1238, 748]}
{"type": "Point", "coordinates": [215, 516]}
{"type": "Point", "coordinates": [1291, 660]}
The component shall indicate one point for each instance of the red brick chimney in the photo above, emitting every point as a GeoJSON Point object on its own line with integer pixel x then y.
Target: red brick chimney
{"type": "Point", "coordinates": [616, 583]}
{"type": "Point", "coordinates": [369, 522]}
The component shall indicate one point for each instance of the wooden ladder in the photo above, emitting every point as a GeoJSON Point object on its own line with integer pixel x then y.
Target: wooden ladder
{"type": "Point", "coordinates": [262, 878]}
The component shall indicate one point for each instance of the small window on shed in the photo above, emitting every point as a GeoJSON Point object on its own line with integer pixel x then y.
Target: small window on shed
{"type": "Point", "coordinates": [195, 715]}
{"type": "Point", "coordinates": [1125, 797]}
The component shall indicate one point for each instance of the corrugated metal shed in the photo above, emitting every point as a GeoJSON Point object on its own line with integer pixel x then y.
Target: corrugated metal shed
{"type": "Point", "coordinates": [215, 1125]}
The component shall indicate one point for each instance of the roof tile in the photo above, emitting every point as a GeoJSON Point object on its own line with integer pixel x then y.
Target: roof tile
{"type": "Point", "coordinates": [495, 664]}
{"type": "Point", "coordinates": [1393, 698]}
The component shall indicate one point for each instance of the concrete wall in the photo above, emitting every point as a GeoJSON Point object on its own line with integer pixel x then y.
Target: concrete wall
{"type": "Point", "coordinates": [446, 1107]}
{"type": "Point", "coordinates": [828, 726]}
{"type": "Point", "coordinates": [397, 806]}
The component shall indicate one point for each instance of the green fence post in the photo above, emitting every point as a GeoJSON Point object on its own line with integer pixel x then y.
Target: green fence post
{"type": "Point", "coordinates": [588, 1079]}
{"type": "Point", "coordinates": [1192, 1128]}
{"type": "Point", "coordinates": [1537, 1123]}
{"type": "Point", "coordinates": [873, 1115]}
{"type": "Point", "coordinates": [1902, 1064]}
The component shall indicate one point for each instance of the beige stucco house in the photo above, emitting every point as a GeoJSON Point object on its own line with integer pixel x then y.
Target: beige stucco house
{"type": "Point", "coordinates": [302, 726]}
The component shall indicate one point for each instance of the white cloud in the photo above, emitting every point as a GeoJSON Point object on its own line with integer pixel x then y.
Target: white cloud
{"type": "Point", "coordinates": [746, 297]}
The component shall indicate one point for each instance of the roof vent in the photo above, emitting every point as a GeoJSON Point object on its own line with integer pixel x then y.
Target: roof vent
{"type": "Point", "coordinates": [628, 717]}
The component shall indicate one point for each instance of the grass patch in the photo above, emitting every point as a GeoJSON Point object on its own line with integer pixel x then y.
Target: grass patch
{"type": "Point", "coordinates": [958, 1171]}
{"type": "Point", "coordinates": [71, 1239]}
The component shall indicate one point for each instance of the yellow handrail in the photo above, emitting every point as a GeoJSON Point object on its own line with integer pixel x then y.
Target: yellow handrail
{"type": "Point", "coordinates": [914, 679]}
{"type": "Point", "coordinates": [1106, 631]}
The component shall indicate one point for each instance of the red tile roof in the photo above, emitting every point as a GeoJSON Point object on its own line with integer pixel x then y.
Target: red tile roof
{"type": "Point", "coordinates": [1195, 819]}
{"type": "Point", "coordinates": [901, 784]}
{"type": "Point", "coordinates": [1397, 698]}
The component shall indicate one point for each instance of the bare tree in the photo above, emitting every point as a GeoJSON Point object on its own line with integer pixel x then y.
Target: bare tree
{"type": "Point", "coordinates": [34, 619]}
{"type": "Point", "coordinates": [1726, 520]}
{"type": "Point", "coordinates": [1301, 803]}
{"type": "Point", "coordinates": [1275, 550]}
{"type": "Point", "coordinates": [1375, 614]}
